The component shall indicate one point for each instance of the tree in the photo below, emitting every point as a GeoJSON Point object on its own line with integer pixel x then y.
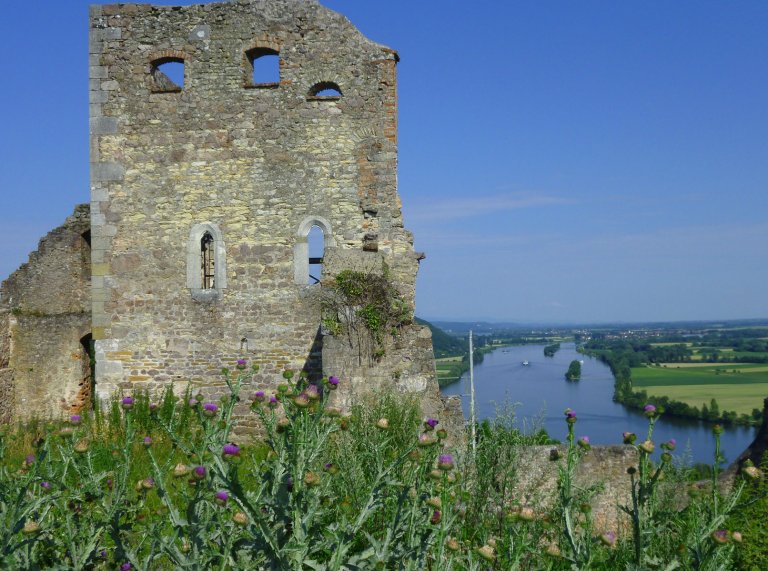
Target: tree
{"type": "Point", "coordinates": [574, 371]}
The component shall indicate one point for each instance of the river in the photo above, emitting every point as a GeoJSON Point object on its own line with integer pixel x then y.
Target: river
{"type": "Point", "coordinates": [539, 393]}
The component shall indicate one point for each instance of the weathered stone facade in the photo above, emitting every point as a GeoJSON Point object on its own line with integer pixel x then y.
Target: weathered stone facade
{"type": "Point", "coordinates": [45, 326]}
{"type": "Point", "coordinates": [251, 167]}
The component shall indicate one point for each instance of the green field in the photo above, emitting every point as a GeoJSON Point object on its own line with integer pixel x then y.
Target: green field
{"type": "Point", "coordinates": [738, 387]}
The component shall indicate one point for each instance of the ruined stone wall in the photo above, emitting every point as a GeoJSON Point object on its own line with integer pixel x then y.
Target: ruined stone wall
{"type": "Point", "coordinates": [256, 165]}
{"type": "Point", "coordinates": [44, 315]}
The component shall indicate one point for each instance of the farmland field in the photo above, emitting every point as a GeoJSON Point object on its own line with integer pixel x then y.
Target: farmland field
{"type": "Point", "coordinates": [736, 386]}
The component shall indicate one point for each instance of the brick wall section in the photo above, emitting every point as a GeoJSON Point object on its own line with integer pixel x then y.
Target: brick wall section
{"type": "Point", "coordinates": [253, 160]}
{"type": "Point", "coordinates": [44, 312]}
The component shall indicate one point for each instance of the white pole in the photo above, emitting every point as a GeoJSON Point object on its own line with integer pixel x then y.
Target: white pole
{"type": "Point", "coordinates": [472, 418]}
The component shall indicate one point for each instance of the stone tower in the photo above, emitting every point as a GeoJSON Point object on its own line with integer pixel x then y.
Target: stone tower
{"type": "Point", "coordinates": [206, 185]}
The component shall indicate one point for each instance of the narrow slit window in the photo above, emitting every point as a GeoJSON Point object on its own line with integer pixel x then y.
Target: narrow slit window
{"type": "Point", "coordinates": [316, 242]}
{"type": "Point", "coordinates": [265, 67]}
{"type": "Point", "coordinates": [324, 90]}
{"type": "Point", "coordinates": [207, 263]}
{"type": "Point", "coordinates": [167, 75]}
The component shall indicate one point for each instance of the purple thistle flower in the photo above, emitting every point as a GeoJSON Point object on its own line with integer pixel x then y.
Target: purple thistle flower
{"type": "Point", "coordinates": [583, 442]}
{"type": "Point", "coordinates": [333, 382]}
{"type": "Point", "coordinates": [45, 485]}
{"type": "Point", "coordinates": [147, 440]}
{"type": "Point", "coordinates": [222, 497]}
{"type": "Point", "coordinates": [445, 462]}
{"type": "Point", "coordinates": [312, 392]}
{"type": "Point", "coordinates": [126, 567]}
{"type": "Point", "coordinates": [231, 450]}
{"type": "Point", "coordinates": [436, 517]}
{"type": "Point", "coordinates": [670, 444]}
{"type": "Point", "coordinates": [152, 406]}
{"type": "Point", "coordinates": [608, 538]}
{"type": "Point", "coordinates": [103, 553]}
{"type": "Point", "coordinates": [75, 419]}
{"type": "Point", "coordinates": [259, 396]}
{"type": "Point", "coordinates": [209, 409]}
{"type": "Point", "coordinates": [649, 410]}
{"type": "Point", "coordinates": [629, 437]}
{"type": "Point", "coordinates": [570, 415]}
{"type": "Point", "coordinates": [29, 459]}
{"type": "Point", "coordinates": [273, 402]}
{"type": "Point", "coordinates": [430, 424]}
{"type": "Point", "coordinates": [199, 472]}
{"type": "Point", "coordinates": [241, 363]}
{"type": "Point", "coordinates": [127, 404]}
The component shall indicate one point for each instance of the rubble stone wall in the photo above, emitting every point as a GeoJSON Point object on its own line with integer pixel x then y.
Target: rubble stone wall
{"type": "Point", "coordinates": [44, 315]}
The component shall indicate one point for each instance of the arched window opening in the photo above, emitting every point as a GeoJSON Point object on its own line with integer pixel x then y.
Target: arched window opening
{"type": "Point", "coordinates": [313, 239]}
{"type": "Point", "coordinates": [208, 261]}
{"type": "Point", "coordinates": [167, 75]}
{"type": "Point", "coordinates": [316, 243]}
{"type": "Point", "coordinates": [264, 67]}
{"type": "Point", "coordinates": [325, 90]}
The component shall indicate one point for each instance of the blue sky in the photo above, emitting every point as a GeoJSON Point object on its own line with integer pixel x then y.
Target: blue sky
{"type": "Point", "coordinates": [559, 161]}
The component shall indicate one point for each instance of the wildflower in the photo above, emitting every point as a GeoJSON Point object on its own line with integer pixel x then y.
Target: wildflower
{"type": "Point", "coordinates": [75, 419]}
{"type": "Point", "coordinates": [670, 444]}
{"type": "Point", "coordinates": [221, 497]}
{"type": "Point", "coordinates": [301, 401]}
{"type": "Point", "coordinates": [331, 468]}
{"type": "Point", "coordinates": [198, 472]}
{"type": "Point", "coordinates": [583, 442]}
{"type": "Point", "coordinates": [127, 403]}
{"type": "Point", "coordinates": [66, 431]}
{"type": "Point", "coordinates": [283, 424]}
{"type": "Point", "coordinates": [445, 462]}
{"type": "Point", "coordinates": [103, 553]}
{"type": "Point", "coordinates": [240, 518]}
{"type": "Point", "coordinates": [717, 429]}
{"type": "Point", "coordinates": [152, 407]}
{"type": "Point", "coordinates": [452, 544]}
{"type": "Point", "coordinates": [82, 446]}
{"type": "Point", "coordinates": [210, 409]}
{"type": "Point", "coordinates": [486, 552]}
{"type": "Point", "coordinates": [29, 459]}
{"type": "Point", "coordinates": [736, 537]}
{"type": "Point", "coordinates": [608, 538]}
{"type": "Point", "coordinates": [311, 479]}
{"type": "Point", "coordinates": [30, 527]}
{"type": "Point", "coordinates": [647, 447]}
{"type": "Point", "coordinates": [649, 410]}
{"type": "Point", "coordinates": [492, 542]}
{"type": "Point", "coordinates": [720, 536]}
{"type": "Point", "coordinates": [441, 433]}
{"type": "Point", "coordinates": [425, 439]}
{"type": "Point", "coordinates": [435, 502]}
{"type": "Point", "coordinates": [751, 472]}
{"type": "Point", "coordinates": [180, 470]}
{"type": "Point", "coordinates": [312, 392]}
{"type": "Point", "coordinates": [126, 567]}
{"type": "Point", "coordinates": [148, 483]}
{"type": "Point", "coordinates": [570, 416]}
{"type": "Point", "coordinates": [526, 514]}
{"type": "Point", "coordinates": [430, 424]}
{"type": "Point", "coordinates": [230, 450]}
{"type": "Point", "coordinates": [260, 396]}
{"type": "Point", "coordinates": [436, 474]}
{"type": "Point", "coordinates": [109, 483]}
{"type": "Point", "coordinates": [382, 423]}
{"type": "Point", "coordinates": [629, 437]}
{"type": "Point", "coordinates": [193, 403]}
{"type": "Point", "coordinates": [436, 517]}
{"type": "Point", "coordinates": [241, 363]}
{"type": "Point", "coordinates": [147, 441]}
{"type": "Point", "coordinates": [414, 455]}
{"type": "Point", "coordinates": [333, 383]}
{"type": "Point", "coordinates": [273, 402]}
{"type": "Point", "coordinates": [288, 374]}
{"type": "Point", "coordinates": [553, 550]}
{"type": "Point", "coordinates": [45, 485]}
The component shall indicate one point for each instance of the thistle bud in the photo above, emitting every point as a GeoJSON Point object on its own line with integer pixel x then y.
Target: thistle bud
{"type": "Point", "coordinates": [383, 424]}
{"type": "Point", "coordinates": [240, 518]}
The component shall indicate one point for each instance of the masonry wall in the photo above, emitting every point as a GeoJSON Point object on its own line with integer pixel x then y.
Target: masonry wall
{"type": "Point", "coordinates": [44, 316]}
{"type": "Point", "coordinates": [259, 163]}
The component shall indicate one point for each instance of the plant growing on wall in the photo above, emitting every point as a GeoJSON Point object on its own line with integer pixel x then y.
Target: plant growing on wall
{"type": "Point", "coordinates": [367, 308]}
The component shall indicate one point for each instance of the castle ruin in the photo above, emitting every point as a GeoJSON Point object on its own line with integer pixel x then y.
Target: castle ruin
{"type": "Point", "coordinates": [205, 186]}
